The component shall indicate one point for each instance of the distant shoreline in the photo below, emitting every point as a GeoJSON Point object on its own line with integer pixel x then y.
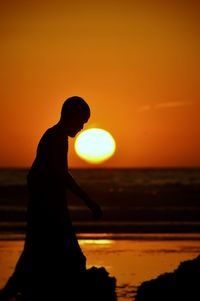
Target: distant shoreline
{"type": "Point", "coordinates": [121, 228]}
{"type": "Point", "coordinates": [15, 236]}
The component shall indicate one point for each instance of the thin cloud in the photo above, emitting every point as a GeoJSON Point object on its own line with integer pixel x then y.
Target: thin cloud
{"type": "Point", "coordinates": [145, 108]}
{"type": "Point", "coordinates": [172, 104]}
{"type": "Point", "coordinates": [165, 105]}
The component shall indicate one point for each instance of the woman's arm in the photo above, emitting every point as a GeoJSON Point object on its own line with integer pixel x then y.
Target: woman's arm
{"type": "Point", "coordinates": [78, 191]}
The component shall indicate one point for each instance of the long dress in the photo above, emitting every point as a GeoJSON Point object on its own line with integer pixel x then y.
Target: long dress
{"type": "Point", "coordinates": [52, 258]}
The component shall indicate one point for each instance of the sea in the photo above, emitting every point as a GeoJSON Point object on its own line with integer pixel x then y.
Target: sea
{"type": "Point", "coordinates": [150, 223]}
{"type": "Point", "coordinates": [133, 200]}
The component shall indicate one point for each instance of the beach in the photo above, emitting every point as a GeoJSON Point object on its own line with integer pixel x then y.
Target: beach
{"type": "Point", "coordinates": [131, 258]}
{"type": "Point", "coordinates": [150, 221]}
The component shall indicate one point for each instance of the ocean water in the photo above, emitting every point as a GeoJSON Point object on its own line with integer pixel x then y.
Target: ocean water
{"type": "Point", "coordinates": [120, 178]}
{"type": "Point", "coordinates": [133, 200]}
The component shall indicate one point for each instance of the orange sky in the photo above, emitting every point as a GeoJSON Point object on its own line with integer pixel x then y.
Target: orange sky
{"type": "Point", "coordinates": [135, 62]}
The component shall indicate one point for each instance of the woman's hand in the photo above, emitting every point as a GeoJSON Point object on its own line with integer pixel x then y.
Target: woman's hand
{"type": "Point", "coordinates": [96, 210]}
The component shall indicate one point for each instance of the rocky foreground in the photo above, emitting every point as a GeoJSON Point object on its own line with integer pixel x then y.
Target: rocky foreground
{"type": "Point", "coordinates": [96, 285]}
{"type": "Point", "coordinates": [181, 285]}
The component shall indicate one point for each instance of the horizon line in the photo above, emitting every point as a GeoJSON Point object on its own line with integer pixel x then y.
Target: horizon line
{"type": "Point", "coordinates": [113, 167]}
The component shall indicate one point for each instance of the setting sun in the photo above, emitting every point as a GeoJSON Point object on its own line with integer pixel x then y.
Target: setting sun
{"type": "Point", "coordinates": [95, 145]}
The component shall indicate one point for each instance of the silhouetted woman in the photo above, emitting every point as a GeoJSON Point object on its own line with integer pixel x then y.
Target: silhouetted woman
{"type": "Point", "coordinates": [52, 259]}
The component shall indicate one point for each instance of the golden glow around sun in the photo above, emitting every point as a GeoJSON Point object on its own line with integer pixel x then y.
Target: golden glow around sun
{"type": "Point", "coordinates": [95, 145]}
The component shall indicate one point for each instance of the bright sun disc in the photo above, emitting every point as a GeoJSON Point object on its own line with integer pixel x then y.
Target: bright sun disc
{"type": "Point", "coordinates": [95, 145]}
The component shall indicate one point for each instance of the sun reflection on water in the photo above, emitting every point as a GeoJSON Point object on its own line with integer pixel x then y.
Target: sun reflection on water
{"type": "Point", "coordinates": [101, 239]}
{"type": "Point", "coordinates": [95, 242]}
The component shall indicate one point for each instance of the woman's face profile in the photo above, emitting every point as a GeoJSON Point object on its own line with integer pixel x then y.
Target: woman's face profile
{"type": "Point", "coordinates": [75, 126]}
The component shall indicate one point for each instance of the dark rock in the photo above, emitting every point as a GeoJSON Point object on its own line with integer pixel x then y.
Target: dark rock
{"type": "Point", "coordinates": [181, 285]}
{"type": "Point", "coordinates": [93, 284]}
{"type": "Point", "coordinates": [99, 285]}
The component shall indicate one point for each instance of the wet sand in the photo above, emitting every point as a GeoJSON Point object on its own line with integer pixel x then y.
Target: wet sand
{"type": "Point", "coordinates": [131, 258]}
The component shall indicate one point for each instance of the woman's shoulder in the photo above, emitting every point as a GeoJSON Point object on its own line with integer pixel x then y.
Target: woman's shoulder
{"type": "Point", "coordinates": [53, 136]}
{"type": "Point", "coordinates": [55, 132]}
{"type": "Point", "coordinates": [50, 134]}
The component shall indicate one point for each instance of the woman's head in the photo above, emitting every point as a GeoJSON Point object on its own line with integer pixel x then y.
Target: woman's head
{"type": "Point", "coordinates": [75, 112]}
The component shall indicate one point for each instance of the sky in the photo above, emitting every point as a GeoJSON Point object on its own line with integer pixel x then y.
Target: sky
{"type": "Point", "coordinates": [135, 62]}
